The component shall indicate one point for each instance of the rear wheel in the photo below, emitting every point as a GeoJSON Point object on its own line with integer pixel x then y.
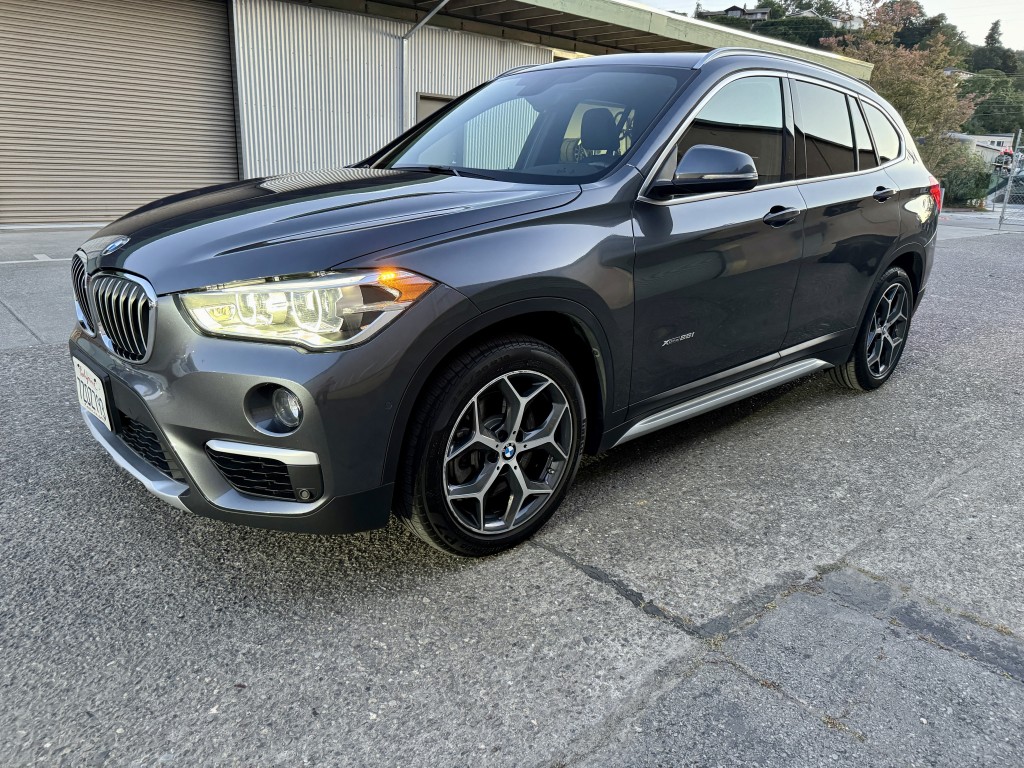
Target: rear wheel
{"type": "Point", "coordinates": [494, 446]}
{"type": "Point", "coordinates": [883, 334]}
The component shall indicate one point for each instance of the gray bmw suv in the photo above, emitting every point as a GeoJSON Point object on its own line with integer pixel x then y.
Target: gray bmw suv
{"type": "Point", "coordinates": [567, 258]}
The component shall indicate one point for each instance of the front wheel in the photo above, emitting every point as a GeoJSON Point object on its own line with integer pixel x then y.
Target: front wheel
{"type": "Point", "coordinates": [494, 445]}
{"type": "Point", "coordinates": [882, 336]}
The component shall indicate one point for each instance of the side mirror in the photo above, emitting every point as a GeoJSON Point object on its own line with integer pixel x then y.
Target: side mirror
{"type": "Point", "coordinates": [706, 168]}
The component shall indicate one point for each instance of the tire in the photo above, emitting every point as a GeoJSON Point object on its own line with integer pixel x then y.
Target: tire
{"type": "Point", "coordinates": [473, 485]}
{"type": "Point", "coordinates": [882, 336]}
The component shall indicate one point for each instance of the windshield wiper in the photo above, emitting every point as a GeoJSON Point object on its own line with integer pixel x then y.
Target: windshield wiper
{"type": "Point", "coordinates": [447, 170]}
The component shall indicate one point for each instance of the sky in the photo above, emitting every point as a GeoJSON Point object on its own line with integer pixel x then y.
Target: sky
{"type": "Point", "coordinates": [973, 17]}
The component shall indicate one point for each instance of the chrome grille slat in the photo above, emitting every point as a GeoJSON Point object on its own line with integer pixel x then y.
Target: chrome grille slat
{"type": "Point", "coordinates": [80, 283]}
{"type": "Point", "coordinates": [119, 317]}
{"type": "Point", "coordinates": [124, 307]}
{"type": "Point", "coordinates": [115, 331]}
{"type": "Point", "coordinates": [99, 294]}
{"type": "Point", "coordinates": [138, 341]}
{"type": "Point", "coordinates": [130, 300]}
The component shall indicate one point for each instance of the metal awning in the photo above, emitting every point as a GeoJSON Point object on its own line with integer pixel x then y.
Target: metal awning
{"type": "Point", "coordinates": [591, 27]}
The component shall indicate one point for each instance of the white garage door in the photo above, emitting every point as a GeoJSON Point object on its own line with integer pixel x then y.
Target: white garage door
{"type": "Point", "coordinates": [108, 104]}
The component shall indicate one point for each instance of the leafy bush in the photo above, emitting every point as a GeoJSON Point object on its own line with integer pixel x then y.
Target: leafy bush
{"type": "Point", "coordinates": [964, 174]}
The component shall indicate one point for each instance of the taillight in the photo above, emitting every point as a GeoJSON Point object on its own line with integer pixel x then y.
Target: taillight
{"type": "Point", "coordinates": [936, 192]}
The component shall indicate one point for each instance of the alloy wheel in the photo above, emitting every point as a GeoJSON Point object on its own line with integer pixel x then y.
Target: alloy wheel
{"type": "Point", "coordinates": [888, 329]}
{"type": "Point", "coordinates": [510, 447]}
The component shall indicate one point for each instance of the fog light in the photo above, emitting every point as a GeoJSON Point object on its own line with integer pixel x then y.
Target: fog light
{"type": "Point", "coordinates": [287, 408]}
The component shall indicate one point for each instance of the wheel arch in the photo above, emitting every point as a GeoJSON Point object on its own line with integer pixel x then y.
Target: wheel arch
{"type": "Point", "coordinates": [564, 324]}
{"type": "Point", "coordinates": [911, 262]}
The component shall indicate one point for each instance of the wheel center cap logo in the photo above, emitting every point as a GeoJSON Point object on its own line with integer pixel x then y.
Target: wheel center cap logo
{"type": "Point", "coordinates": [508, 452]}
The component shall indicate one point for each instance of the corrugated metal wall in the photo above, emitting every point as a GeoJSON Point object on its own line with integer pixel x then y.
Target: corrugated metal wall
{"type": "Point", "coordinates": [108, 104]}
{"type": "Point", "coordinates": [319, 88]}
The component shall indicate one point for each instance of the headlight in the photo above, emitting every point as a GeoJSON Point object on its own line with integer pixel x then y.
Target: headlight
{"type": "Point", "coordinates": [329, 310]}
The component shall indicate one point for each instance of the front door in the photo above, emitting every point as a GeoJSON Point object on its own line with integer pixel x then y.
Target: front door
{"type": "Point", "coordinates": [714, 279]}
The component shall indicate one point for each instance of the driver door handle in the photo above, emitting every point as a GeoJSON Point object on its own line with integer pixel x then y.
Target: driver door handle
{"type": "Point", "coordinates": [779, 216]}
{"type": "Point", "coordinates": [883, 193]}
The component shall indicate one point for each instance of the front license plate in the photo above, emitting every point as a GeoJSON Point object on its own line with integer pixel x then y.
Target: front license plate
{"type": "Point", "coordinates": [91, 394]}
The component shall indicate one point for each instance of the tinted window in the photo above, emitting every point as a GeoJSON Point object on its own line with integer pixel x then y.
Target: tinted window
{"type": "Point", "coordinates": [556, 126]}
{"type": "Point", "coordinates": [745, 115]}
{"type": "Point", "coordinates": [823, 125]}
{"type": "Point", "coordinates": [865, 152]}
{"type": "Point", "coordinates": [887, 140]}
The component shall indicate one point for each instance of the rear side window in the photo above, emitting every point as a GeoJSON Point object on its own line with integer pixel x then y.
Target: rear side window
{"type": "Point", "coordinates": [746, 115]}
{"type": "Point", "coordinates": [887, 140]}
{"type": "Point", "coordinates": [823, 126]}
{"type": "Point", "coordinates": [865, 152]}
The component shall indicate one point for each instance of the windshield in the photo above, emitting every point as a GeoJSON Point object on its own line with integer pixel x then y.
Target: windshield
{"type": "Point", "coordinates": [550, 126]}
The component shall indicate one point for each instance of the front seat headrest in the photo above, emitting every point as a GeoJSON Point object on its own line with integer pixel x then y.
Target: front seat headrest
{"type": "Point", "coordinates": [598, 130]}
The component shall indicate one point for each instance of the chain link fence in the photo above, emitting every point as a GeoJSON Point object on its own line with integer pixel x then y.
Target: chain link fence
{"type": "Point", "coordinates": [1009, 193]}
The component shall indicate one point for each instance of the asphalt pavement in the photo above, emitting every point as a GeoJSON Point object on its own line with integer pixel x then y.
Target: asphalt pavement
{"type": "Point", "coordinates": [809, 577]}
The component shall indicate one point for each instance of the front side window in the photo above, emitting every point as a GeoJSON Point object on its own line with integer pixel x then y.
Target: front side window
{"type": "Point", "coordinates": [887, 140]}
{"type": "Point", "coordinates": [745, 115]}
{"type": "Point", "coordinates": [823, 127]}
{"type": "Point", "coordinates": [568, 125]}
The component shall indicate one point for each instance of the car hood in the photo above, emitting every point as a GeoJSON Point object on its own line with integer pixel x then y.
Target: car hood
{"type": "Point", "coordinates": [301, 223]}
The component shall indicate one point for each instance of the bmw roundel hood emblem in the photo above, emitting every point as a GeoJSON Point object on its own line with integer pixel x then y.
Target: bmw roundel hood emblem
{"type": "Point", "coordinates": [113, 245]}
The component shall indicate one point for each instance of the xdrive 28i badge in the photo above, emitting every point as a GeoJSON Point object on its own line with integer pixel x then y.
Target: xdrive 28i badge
{"type": "Point", "coordinates": [676, 339]}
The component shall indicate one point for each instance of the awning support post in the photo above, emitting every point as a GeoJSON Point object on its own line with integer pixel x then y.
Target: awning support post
{"type": "Point", "coordinates": [404, 68]}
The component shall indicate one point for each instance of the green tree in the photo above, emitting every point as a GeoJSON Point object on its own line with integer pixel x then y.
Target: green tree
{"type": "Point", "coordinates": [923, 30]}
{"type": "Point", "coordinates": [1000, 105]}
{"type": "Point", "coordinates": [895, 15]}
{"type": "Point", "coordinates": [993, 54]}
{"type": "Point", "coordinates": [776, 8]}
{"type": "Point", "coordinates": [994, 38]}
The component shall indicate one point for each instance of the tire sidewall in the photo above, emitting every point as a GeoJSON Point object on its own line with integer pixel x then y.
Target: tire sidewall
{"type": "Point", "coordinates": [430, 493]}
{"type": "Point", "coordinates": [865, 377]}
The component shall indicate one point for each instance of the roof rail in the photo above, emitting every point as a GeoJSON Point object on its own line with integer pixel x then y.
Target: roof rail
{"type": "Point", "coordinates": [718, 53]}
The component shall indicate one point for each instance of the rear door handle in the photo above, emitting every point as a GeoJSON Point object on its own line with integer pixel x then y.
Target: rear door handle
{"type": "Point", "coordinates": [883, 193]}
{"type": "Point", "coordinates": [779, 216]}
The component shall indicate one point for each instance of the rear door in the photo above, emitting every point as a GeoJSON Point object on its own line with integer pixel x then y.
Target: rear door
{"type": "Point", "coordinates": [853, 213]}
{"type": "Point", "coordinates": [713, 278]}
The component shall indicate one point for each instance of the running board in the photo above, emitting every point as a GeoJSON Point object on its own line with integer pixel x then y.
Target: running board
{"type": "Point", "coordinates": [720, 397]}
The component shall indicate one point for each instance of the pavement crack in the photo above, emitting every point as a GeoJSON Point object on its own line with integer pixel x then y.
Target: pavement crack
{"type": "Point", "coordinates": [830, 721]}
{"type": "Point", "coordinates": [21, 322]}
{"type": "Point", "coordinates": [716, 629]}
{"type": "Point", "coordinates": [636, 598]}
{"type": "Point", "coordinates": [757, 604]}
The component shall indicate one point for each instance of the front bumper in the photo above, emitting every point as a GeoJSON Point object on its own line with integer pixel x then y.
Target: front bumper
{"type": "Point", "coordinates": [189, 399]}
{"type": "Point", "coordinates": [349, 513]}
